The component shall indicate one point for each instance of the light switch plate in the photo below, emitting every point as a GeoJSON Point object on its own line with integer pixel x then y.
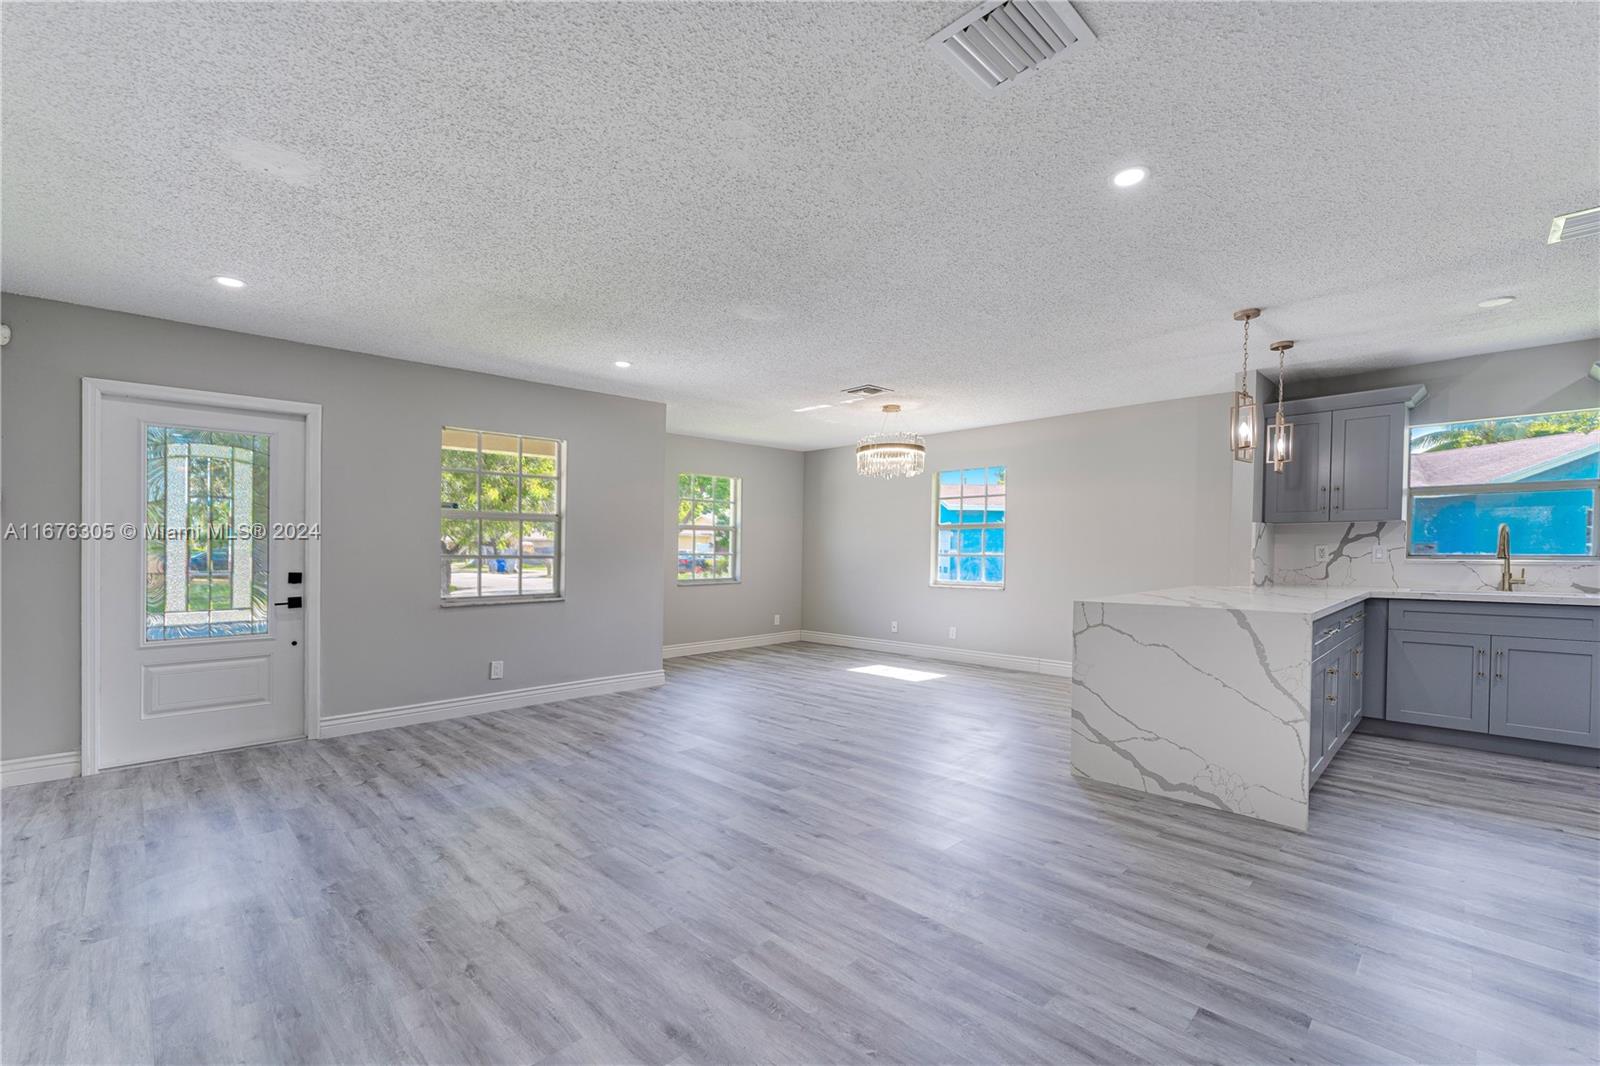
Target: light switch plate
{"type": "Point", "coordinates": [497, 669]}
{"type": "Point", "coordinates": [1380, 553]}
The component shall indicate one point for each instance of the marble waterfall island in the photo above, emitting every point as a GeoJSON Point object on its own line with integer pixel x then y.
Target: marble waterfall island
{"type": "Point", "coordinates": [1200, 695]}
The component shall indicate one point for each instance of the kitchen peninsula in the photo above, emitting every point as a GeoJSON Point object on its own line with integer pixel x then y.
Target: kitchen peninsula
{"type": "Point", "coordinates": [1236, 698]}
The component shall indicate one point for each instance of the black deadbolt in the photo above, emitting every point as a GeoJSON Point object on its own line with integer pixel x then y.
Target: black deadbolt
{"type": "Point", "coordinates": [294, 577]}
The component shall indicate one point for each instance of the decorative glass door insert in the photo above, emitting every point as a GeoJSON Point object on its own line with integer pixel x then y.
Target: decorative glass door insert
{"type": "Point", "coordinates": [206, 519]}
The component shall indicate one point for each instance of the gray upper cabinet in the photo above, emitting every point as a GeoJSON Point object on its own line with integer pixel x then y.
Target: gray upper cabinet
{"type": "Point", "coordinates": [1546, 690]}
{"type": "Point", "coordinates": [1299, 492]}
{"type": "Point", "coordinates": [1349, 461]}
{"type": "Point", "coordinates": [1368, 455]}
{"type": "Point", "coordinates": [1439, 679]}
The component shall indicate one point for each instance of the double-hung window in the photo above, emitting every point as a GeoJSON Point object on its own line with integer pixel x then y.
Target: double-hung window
{"type": "Point", "coordinates": [708, 529]}
{"type": "Point", "coordinates": [1537, 474]}
{"type": "Point", "coordinates": [969, 515]}
{"type": "Point", "coordinates": [500, 534]}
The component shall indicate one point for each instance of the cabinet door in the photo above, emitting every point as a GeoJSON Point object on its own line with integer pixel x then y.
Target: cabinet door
{"type": "Point", "coordinates": [1546, 690]}
{"type": "Point", "coordinates": [1300, 492]}
{"type": "Point", "coordinates": [1367, 463]}
{"type": "Point", "coordinates": [1332, 705]}
{"type": "Point", "coordinates": [1358, 684]}
{"type": "Point", "coordinates": [1439, 679]}
{"type": "Point", "coordinates": [1324, 689]}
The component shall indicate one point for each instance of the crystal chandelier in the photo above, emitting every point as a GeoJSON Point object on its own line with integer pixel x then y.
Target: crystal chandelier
{"type": "Point", "coordinates": [1280, 434]}
{"type": "Point", "coordinates": [888, 454]}
{"type": "Point", "coordinates": [1242, 415]}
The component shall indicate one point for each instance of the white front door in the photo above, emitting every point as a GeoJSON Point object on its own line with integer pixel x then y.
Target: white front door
{"type": "Point", "coordinates": [198, 644]}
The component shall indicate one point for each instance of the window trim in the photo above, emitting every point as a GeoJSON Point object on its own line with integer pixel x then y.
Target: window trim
{"type": "Point", "coordinates": [558, 572]}
{"type": "Point", "coordinates": [933, 540]}
{"type": "Point", "coordinates": [735, 533]}
{"type": "Point", "coordinates": [1413, 493]}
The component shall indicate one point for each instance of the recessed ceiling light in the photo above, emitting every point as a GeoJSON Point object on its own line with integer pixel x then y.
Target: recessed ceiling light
{"type": "Point", "coordinates": [622, 364]}
{"type": "Point", "coordinates": [227, 282]}
{"type": "Point", "coordinates": [1497, 301]}
{"type": "Point", "coordinates": [813, 407]}
{"type": "Point", "coordinates": [1125, 179]}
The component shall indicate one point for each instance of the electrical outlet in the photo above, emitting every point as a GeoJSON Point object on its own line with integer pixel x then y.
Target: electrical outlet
{"type": "Point", "coordinates": [1380, 553]}
{"type": "Point", "coordinates": [777, 619]}
{"type": "Point", "coordinates": [1324, 551]}
{"type": "Point", "coordinates": [497, 669]}
{"type": "Point", "coordinates": [894, 627]}
{"type": "Point", "coordinates": [952, 632]}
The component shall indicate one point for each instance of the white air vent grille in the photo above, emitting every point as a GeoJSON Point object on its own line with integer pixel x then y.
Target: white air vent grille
{"type": "Point", "coordinates": [1577, 224]}
{"type": "Point", "coordinates": [996, 45]}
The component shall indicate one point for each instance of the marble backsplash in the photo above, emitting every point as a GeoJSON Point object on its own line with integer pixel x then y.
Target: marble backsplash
{"type": "Point", "coordinates": [1292, 551]}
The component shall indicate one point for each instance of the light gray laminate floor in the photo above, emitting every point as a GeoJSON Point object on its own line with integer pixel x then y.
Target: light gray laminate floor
{"type": "Point", "coordinates": [771, 859]}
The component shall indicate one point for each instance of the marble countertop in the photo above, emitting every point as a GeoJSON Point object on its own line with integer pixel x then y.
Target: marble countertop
{"type": "Point", "coordinates": [1313, 600]}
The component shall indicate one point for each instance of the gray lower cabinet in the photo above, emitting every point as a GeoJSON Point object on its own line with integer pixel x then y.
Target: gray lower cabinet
{"type": "Point", "coordinates": [1439, 679]}
{"type": "Point", "coordinates": [1324, 690]}
{"type": "Point", "coordinates": [1336, 684]}
{"type": "Point", "coordinates": [1355, 689]}
{"type": "Point", "coordinates": [1546, 690]}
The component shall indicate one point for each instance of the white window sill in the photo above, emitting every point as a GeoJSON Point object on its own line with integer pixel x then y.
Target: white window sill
{"type": "Point", "coordinates": [709, 581]}
{"type": "Point", "coordinates": [986, 586]}
{"type": "Point", "coordinates": [498, 601]}
{"type": "Point", "coordinates": [1516, 560]}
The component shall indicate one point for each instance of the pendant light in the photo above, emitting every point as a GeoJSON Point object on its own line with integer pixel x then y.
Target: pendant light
{"type": "Point", "coordinates": [1242, 415]}
{"type": "Point", "coordinates": [1280, 434]}
{"type": "Point", "coordinates": [890, 454]}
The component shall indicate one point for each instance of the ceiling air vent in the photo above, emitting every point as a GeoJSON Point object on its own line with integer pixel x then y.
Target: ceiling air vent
{"type": "Point", "coordinates": [996, 45]}
{"type": "Point", "coordinates": [866, 390]}
{"type": "Point", "coordinates": [1577, 224]}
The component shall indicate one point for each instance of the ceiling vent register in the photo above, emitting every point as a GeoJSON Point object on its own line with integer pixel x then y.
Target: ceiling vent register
{"type": "Point", "coordinates": [1570, 227]}
{"type": "Point", "coordinates": [997, 45]}
{"type": "Point", "coordinates": [866, 390]}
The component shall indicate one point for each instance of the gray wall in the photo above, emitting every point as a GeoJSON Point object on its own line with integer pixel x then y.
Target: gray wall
{"type": "Point", "coordinates": [1523, 381]}
{"type": "Point", "coordinates": [772, 481]}
{"type": "Point", "coordinates": [1098, 503]}
{"type": "Point", "coordinates": [386, 639]}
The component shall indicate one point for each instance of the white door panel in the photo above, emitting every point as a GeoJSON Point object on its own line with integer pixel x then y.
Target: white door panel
{"type": "Point", "coordinates": [197, 649]}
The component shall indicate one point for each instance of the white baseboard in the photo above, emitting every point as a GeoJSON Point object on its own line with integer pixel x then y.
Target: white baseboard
{"type": "Point", "coordinates": [35, 768]}
{"type": "Point", "coordinates": [1000, 660]}
{"type": "Point", "coordinates": [438, 710]}
{"type": "Point", "coordinates": [703, 647]}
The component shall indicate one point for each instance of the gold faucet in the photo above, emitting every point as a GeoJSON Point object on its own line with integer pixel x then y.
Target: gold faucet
{"type": "Point", "coordinates": [1502, 551]}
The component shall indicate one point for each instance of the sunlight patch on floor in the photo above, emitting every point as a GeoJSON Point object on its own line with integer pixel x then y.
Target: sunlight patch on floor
{"type": "Point", "coordinates": [899, 673]}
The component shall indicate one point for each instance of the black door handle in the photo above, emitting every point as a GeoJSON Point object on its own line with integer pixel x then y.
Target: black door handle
{"type": "Point", "coordinates": [291, 602]}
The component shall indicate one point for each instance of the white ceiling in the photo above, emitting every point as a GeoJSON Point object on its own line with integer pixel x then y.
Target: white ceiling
{"type": "Point", "coordinates": [761, 204]}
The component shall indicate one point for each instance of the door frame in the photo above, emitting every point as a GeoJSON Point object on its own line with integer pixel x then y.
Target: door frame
{"type": "Point", "coordinates": [95, 392]}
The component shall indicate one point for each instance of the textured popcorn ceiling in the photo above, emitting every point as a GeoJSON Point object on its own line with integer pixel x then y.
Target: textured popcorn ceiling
{"type": "Point", "coordinates": [761, 204]}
